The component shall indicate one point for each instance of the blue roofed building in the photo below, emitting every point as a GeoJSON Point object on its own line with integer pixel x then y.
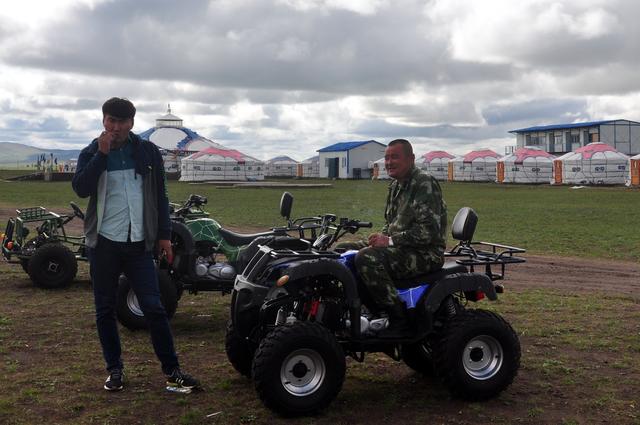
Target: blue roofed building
{"type": "Point", "coordinates": [623, 135]}
{"type": "Point", "coordinates": [349, 160]}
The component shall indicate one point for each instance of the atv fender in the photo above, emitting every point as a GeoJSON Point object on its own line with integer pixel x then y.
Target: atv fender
{"type": "Point", "coordinates": [459, 282]}
{"type": "Point", "coordinates": [183, 261]}
{"type": "Point", "coordinates": [300, 270]}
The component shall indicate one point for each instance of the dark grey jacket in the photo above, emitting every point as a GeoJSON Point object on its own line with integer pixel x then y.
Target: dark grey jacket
{"type": "Point", "coordinates": [90, 179]}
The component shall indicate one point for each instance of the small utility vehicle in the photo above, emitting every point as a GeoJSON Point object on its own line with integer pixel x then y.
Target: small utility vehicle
{"type": "Point", "coordinates": [51, 256]}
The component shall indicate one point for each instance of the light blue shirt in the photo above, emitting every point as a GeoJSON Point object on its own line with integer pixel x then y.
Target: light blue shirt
{"type": "Point", "coordinates": [124, 199]}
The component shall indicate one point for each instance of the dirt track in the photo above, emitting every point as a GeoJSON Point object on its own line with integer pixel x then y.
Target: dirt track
{"type": "Point", "coordinates": [576, 274]}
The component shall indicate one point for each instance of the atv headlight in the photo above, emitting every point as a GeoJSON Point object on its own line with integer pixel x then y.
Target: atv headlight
{"type": "Point", "coordinates": [282, 280]}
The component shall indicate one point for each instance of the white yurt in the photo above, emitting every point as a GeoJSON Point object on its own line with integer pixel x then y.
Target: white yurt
{"type": "Point", "coordinates": [436, 163]}
{"type": "Point", "coordinates": [526, 165]}
{"type": "Point", "coordinates": [634, 171]}
{"type": "Point", "coordinates": [175, 140]}
{"type": "Point", "coordinates": [281, 166]}
{"type": "Point", "coordinates": [309, 168]}
{"type": "Point", "coordinates": [220, 164]}
{"type": "Point", "coordinates": [378, 171]}
{"type": "Point", "coordinates": [595, 163]}
{"type": "Point", "coordinates": [475, 166]}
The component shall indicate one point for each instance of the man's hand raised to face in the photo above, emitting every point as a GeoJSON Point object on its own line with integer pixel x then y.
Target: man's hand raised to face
{"type": "Point", "coordinates": [104, 142]}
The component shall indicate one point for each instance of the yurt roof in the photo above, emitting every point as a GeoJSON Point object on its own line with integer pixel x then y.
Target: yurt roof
{"type": "Point", "coordinates": [636, 157]}
{"type": "Point", "coordinates": [484, 153]}
{"type": "Point", "coordinates": [521, 154]}
{"type": "Point", "coordinates": [282, 158]}
{"type": "Point", "coordinates": [224, 153]}
{"type": "Point", "coordinates": [169, 133]}
{"type": "Point", "coordinates": [430, 156]}
{"type": "Point", "coordinates": [312, 160]}
{"type": "Point", "coordinates": [591, 149]}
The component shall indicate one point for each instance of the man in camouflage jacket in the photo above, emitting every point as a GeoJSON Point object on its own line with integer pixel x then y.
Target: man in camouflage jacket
{"type": "Point", "coordinates": [412, 241]}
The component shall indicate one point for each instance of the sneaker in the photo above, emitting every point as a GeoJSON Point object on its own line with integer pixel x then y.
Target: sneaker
{"type": "Point", "coordinates": [179, 381]}
{"type": "Point", "coordinates": [115, 380]}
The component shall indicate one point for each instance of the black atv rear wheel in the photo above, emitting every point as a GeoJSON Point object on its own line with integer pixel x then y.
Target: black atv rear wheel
{"type": "Point", "coordinates": [478, 355]}
{"type": "Point", "coordinates": [128, 308]}
{"type": "Point", "coordinates": [419, 357]}
{"type": "Point", "coordinates": [298, 369]}
{"type": "Point", "coordinates": [239, 351]}
{"type": "Point", "coordinates": [52, 265]}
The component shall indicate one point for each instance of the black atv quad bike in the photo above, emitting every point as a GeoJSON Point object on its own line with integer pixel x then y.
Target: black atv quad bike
{"type": "Point", "coordinates": [295, 315]}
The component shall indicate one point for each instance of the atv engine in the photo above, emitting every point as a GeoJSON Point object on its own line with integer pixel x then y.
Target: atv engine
{"type": "Point", "coordinates": [208, 267]}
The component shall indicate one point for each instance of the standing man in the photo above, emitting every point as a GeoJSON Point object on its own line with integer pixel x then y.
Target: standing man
{"type": "Point", "coordinates": [412, 241]}
{"type": "Point", "coordinates": [126, 219]}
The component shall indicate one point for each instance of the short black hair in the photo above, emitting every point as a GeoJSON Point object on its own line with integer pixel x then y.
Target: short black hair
{"type": "Point", "coordinates": [119, 108]}
{"type": "Point", "coordinates": [406, 146]}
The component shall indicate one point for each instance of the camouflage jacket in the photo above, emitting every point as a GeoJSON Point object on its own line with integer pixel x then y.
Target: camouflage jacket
{"type": "Point", "coordinates": [416, 214]}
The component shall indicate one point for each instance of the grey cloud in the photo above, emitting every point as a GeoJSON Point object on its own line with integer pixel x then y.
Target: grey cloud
{"type": "Point", "coordinates": [537, 111]}
{"type": "Point", "coordinates": [382, 129]}
{"type": "Point", "coordinates": [433, 112]}
{"type": "Point", "coordinates": [53, 124]}
{"type": "Point", "coordinates": [199, 42]}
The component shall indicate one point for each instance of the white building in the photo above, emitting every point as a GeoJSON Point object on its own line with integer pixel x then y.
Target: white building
{"type": "Point", "coordinates": [220, 164]}
{"type": "Point", "coordinates": [349, 160]}
{"type": "Point", "coordinates": [309, 168]}
{"type": "Point", "coordinates": [623, 135]}
{"type": "Point", "coordinates": [436, 163]}
{"type": "Point", "coordinates": [281, 166]}
{"type": "Point", "coordinates": [475, 166]}
{"type": "Point", "coordinates": [596, 163]}
{"type": "Point", "coordinates": [526, 165]}
{"type": "Point", "coordinates": [175, 140]}
{"type": "Point", "coordinates": [378, 170]}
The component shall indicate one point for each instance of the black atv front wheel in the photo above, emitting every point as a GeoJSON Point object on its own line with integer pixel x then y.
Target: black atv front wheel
{"type": "Point", "coordinates": [128, 308]}
{"type": "Point", "coordinates": [478, 355]}
{"type": "Point", "coordinates": [298, 369]}
{"type": "Point", "coordinates": [52, 265]}
{"type": "Point", "coordinates": [239, 351]}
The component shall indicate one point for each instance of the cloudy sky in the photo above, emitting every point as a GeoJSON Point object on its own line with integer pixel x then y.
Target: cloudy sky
{"type": "Point", "coordinates": [278, 77]}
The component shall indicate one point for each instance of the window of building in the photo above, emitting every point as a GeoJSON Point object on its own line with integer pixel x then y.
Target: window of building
{"type": "Point", "coordinates": [344, 162]}
{"type": "Point", "coordinates": [535, 140]}
{"type": "Point", "coordinates": [557, 138]}
{"type": "Point", "coordinates": [575, 139]}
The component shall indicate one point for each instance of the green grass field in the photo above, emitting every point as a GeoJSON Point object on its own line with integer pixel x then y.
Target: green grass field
{"type": "Point", "coordinates": [589, 222]}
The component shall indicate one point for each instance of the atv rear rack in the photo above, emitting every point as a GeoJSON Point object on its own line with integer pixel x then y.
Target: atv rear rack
{"type": "Point", "coordinates": [486, 254]}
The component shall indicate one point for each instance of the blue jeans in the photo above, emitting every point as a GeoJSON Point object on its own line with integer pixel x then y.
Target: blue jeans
{"type": "Point", "coordinates": [107, 260]}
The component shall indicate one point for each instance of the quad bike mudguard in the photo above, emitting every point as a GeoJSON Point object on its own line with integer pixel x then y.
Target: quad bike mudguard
{"type": "Point", "coordinates": [207, 229]}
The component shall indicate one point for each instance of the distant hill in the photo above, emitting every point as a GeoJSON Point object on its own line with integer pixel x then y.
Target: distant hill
{"type": "Point", "coordinates": [12, 153]}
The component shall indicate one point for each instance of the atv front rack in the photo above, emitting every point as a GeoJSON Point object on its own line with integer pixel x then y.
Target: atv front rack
{"type": "Point", "coordinates": [35, 213]}
{"type": "Point", "coordinates": [486, 254]}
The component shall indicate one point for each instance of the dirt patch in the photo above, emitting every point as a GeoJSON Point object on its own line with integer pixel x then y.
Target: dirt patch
{"type": "Point", "coordinates": [576, 275]}
{"type": "Point", "coordinates": [579, 366]}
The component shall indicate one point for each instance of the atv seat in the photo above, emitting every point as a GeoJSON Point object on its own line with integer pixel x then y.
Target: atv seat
{"type": "Point", "coordinates": [450, 267]}
{"type": "Point", "coordinates": [239, 239]}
